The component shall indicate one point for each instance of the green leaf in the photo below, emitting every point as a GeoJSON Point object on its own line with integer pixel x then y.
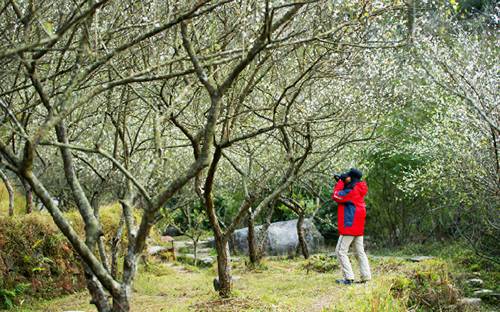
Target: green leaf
{"type": "Point", "coordinates": [48, 26]}
{"type": "Point", "coordinates": [38, 269]}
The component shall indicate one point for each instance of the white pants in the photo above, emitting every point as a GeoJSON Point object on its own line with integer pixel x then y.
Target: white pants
{"type": "Point", "coordinates": [341, 251]}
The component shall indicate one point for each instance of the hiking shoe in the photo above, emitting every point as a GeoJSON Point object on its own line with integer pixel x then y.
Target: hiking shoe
{"type": "Point", "coordinates": [362, 281]}
{"type": "Point", "coordinates": [344, 281]}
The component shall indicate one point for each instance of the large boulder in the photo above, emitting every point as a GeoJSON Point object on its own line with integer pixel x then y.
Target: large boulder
{"type": "Point", "coordinates": [171, 231]}
{"type": "Point", "coordinates": [281, 238]}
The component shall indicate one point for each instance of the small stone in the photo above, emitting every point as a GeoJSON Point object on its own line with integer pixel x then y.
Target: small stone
{"type": "Point", "coordinates": [488, 295]}
{"type": "Point", "coordinates": [153, 250]}
{"type": "Point", "coordinates": [204, 244]}
{"type": "Point", "coordinates": [216, 284]}
{"type": "Point", "coordinates": [481, 293]}
{"type": "Point", "coordinates": [420, 258]}
{"type": "Point", "coordinates": [471, 302]}
{"type": "Point", "coordinates": [207, 260]}
{"type": "Point", "coordinates": [475, 282]}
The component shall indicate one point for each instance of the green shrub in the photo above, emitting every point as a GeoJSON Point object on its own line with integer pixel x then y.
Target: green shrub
{"type": "Point", "coordinates": [109, 216]}
{"type": "Point", "coordinates": [320, 263]}
{"type": "Point", "coordinates": [8, 296]}
{"type": "Point", "coordinates": [33, 252]}
{"type": "Point", "coordinates": [190, 261]}
{"type": "Point", "coordinates": [429, 287]}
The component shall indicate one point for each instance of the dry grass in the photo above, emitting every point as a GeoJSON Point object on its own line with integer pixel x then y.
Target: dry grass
{"type": "Point", "coordinates": [284, 286]}
{"type": "Point", "coordinates": [19, 202]}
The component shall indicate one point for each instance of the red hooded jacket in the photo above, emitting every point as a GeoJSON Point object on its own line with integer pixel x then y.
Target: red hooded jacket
{"type": "Point", "coordinates": [351, 211]}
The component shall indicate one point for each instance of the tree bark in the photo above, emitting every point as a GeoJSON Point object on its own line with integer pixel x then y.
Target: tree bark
{"type": "Point", "coordinates": [29, 197]}
{"type": "Point", "coordinates": [252, 244]}
{"type": "Point", "coordinates": [223, 266]}
{"type": "Point", "coordinates": [300, 234]}
{"type": "Point", "coordinates": [121, 303]}
{"type": "Point", "coordinates": [115, 247]}
{"type": "Point", "coordinates": [93, 229]}
{"type": "Point", "coordinates": [10, 190]}
{"type": "Point", "coordinates": [97, 293]}
{"type": "Point", "coordinates": [262, 235]}
{"type": "Point", "coordinates": [195, 251]}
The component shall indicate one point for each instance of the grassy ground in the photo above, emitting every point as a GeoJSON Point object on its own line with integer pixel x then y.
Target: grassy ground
{"type": "Point", "coordinates": [283, 285]}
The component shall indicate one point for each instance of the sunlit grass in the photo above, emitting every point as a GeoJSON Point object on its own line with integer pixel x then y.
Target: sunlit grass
{"type": "Point", "coordinates": [19, 202]}
{"type": "Point", "coordinates": [283, 286]}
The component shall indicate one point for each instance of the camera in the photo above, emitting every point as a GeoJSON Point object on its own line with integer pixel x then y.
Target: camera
{"type": "Point", "coordinates": [340, 176]}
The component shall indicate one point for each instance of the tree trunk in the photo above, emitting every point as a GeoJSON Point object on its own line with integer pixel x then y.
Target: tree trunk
{"type": "Point", "coordinates": [10, 190]}
{"type": "Point", "coordinates": [262, 235]}
{"type": "Point", "coordinates": [122, 303]}
{"type": "Point", "coordinates": [29, 197]}
{"type": "Point", "coordinates": [300, 234]}
{"type": "Point", "coordinates": [97, 293]}
{"type": "Point", "coordinates": [195, 251]}
{"type": "Point", "coordinates": [223, 266]}
{"type": "Point", "coordinates": [252, 244]}
{"type": "Point", "coordinates": [95, 203]}
{"type": "Point", "coordinates": [29, 201]}
{"type": "Point", "coordinates": [115, 247]}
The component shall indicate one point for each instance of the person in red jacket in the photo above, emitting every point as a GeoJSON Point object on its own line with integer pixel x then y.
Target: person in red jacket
{"type": "Point", "coordinates": [349, 193]}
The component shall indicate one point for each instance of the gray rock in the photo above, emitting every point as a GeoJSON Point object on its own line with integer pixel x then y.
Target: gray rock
{"type": "Point", "coordinates": [486, 294]}
{"type": "Point", "coordinates": [153, 250]}
{"type": "Point", "coordinates": [470, 302]}
{"type": "Point", "coordinates": [172, 231]}
{"type": "Point", "coordinates": [183, 244]}
{"type": "Point", "coordinates": [207, 260]}
{"type": "Point", "coordinates": [204, 244]}
{"type": "Point", "coordinates": [216, 282]}
{"type": "Point", "coordinates": [475, 282]}
{"type": "Point", "coordinates": [420, 258]}
{"type": "Point", "coordinates": [203, 250]}
{"type": "Point", "coordinates": [281, 238]}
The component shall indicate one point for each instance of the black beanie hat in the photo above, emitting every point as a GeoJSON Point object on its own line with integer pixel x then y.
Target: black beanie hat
{"type": "Point", "coordinates": [355, 173]}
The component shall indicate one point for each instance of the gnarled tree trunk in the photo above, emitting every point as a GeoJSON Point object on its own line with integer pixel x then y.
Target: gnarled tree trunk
{"type": "Point", "coordinates": [28, 196]}
{"type": "Point", "coordinates": [257, 240]}
{"type": "Point", "coordinates": [252, 244]}
{"type": "Point", "coordinates": [223, 267]}
{"type": "Point", "coordinates": [300, 234]}
{"type": "Point", "coordinates": [300, 212]}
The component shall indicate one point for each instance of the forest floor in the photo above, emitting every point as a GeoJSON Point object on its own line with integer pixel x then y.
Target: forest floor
{"type": "Point", "coordinates": [280, 285]}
